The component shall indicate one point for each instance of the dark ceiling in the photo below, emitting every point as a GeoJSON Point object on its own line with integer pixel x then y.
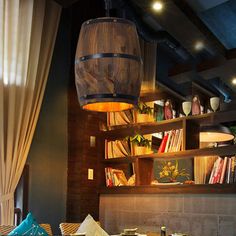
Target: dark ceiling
{"type": "Point", "coordinates": [177, 29]}
{"type": "Point", "coordinates": [220, 17]}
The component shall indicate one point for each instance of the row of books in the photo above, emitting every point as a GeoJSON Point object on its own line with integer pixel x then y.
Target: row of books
{"type": "Point", "coordinates": [223, 171]}
{"type": "Point", "coordinates": [172, 141]}
{"type": "Point", "coordinates": [117, 148]}
{"type": "Point", "coordinates": [120, 118]}
{"type": "Point", "coordinates": [126, 117]}
{"type": "Point", "coordinates": [115, 177]}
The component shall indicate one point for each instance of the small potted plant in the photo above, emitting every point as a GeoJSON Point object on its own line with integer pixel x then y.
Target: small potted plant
{"type": "Point", "coordinates": [140, 145]}
{"type": "Point", "coordinates": [144, 113]}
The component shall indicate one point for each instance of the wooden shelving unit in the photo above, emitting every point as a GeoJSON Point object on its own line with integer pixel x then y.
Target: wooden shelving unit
{"type": "Point", "coordinates": [120, 131]}
{"type": "Point", "coordinates": [220, 151]}
{"type": "Point", "coordinates": [175, 189]}
{"type": "Point", "coordinates": [143, 164]}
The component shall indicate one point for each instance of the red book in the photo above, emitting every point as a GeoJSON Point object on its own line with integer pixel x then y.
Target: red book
{"type": "Point", "coordinates": [222, 177]}
{"type": "Point", "coordinates": [163, 144]}
{"type": "Point", "coordinates": [213, 171]}
{"type": "Point", "coordinates": [109, 182]}
{"type": "Point", "coordinates": [218, 172]}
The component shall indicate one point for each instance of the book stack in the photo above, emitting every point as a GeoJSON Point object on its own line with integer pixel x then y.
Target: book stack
{"type": "Point", "coordinates": [115, 177]}
{"type": "Point", "coordinates": [172, 141]}
{"type": "Point", "coordinates": [223, 171]}
{"type": "Point", "coordinates": [120, 118]}
{"type": "Point", "coordinates": [116, 149]}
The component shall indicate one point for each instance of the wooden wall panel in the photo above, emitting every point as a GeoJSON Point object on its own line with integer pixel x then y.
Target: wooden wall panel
{"type": "Point", "coordinates": [82, 194]}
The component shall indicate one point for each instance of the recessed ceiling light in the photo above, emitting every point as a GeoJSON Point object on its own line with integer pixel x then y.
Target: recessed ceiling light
{"type": "Point", "coordinates": [199, 45]}
{"type": "Point", "coordinates": [157, 6]}
{"type": "Point", "coordinates": [234, 81]}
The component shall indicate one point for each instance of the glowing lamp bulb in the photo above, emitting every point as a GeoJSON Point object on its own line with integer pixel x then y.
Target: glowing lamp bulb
{"type": "Point", "coordinates": [157, 6]}
{"type": "Point", "coordinates": [234, 81]}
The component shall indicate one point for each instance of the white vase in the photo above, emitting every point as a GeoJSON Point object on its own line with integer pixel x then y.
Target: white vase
{"type": "Point", "coordinates": [214, 102]}
{"type": "Point", "coordinates": [186, 107]}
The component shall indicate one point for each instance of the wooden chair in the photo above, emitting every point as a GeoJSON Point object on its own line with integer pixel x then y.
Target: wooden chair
{"type": "Point", "coordinates": [47, 228]}
{"type": "Point", "coordinates": [6, 229]}
{"type": "Point", "coordinates": [70, 228]}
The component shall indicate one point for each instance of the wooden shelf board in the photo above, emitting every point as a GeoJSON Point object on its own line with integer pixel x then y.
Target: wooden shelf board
{"type": "Point", "coordinates": [175, 189]}
{"type": "Point", "coordinates": [153, 96]}
{"type": "Point", "coordinates": [214, 117]}
{"type": "Point", "coordinates": [219, 151]}
{"type": "Point", "coordinates": [163, 92]}
{"type": "Point", "coordinates": [120, 131]}
{"type": "Point", "coordinates": [120, 160]}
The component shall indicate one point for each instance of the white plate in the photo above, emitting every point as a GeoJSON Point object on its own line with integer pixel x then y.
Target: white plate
{"type": "Point", "coordinates": [124, 234]}
{"type": "Point", "coordinates": [174, 183]}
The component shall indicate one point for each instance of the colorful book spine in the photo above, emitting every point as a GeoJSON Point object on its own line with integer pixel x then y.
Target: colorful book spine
{"type": "Point", "coordinates": [170, 149]}
{"type": "Point", "coordinates": [109, 182]}
{"type": "Point", "coordinates": [222, 177]}
{"type": "Point", "coordinates": [170, 135]}
{"type": "Point", "coordinates": [214, 171]}
{"type": "Point", "coordinates": [231, 181]}
{"type": "Point", "coordinates": [228, 171]}
{"type": "Point", "coordinates": [219, 170]}
{"type": "Point", "coordinates": [163, 143]}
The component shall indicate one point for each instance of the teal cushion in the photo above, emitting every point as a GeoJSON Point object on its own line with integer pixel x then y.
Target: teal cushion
{"type": "Point", "coordinates": [28, 226]}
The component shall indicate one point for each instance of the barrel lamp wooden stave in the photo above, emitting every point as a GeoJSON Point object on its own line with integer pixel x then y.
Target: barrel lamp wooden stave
{"type": "Point", "coordinates": [108, 65]}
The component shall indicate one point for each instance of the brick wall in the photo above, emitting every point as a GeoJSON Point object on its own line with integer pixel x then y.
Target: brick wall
{"type": "Point", "coordinates": [196, 215]}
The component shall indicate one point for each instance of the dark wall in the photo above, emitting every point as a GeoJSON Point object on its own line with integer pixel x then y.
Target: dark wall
{"type": "Point", "coordinates": [48, 158]}
{"type": "Point", "coordinates": [82, 193]}
{"type": "Point", "coordinates": [48, 154]}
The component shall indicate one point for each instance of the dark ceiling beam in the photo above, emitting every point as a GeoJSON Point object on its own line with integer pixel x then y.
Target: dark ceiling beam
{"type": "Point", "coordinates": [171, 92]}
{"type": "Point", "coordinates": [197, 88]}
{"type": "Point", "coordinates": [193, 17]}
{"type": "Point", "coordinates": [205, 65]}
{"type": "Point", "coordinates": [231, 54]}
{"type": "Point", "coordinates": [179, 69]}
{"type": "Point", "coordinates": [66, 3]}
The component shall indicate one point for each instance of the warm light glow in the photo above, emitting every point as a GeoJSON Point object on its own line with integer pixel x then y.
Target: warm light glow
{"type": "Point", "coordinates": [157, 6]}
{"type": "Point", "coordinates": [199, 45]}
{"type": "Point", "coordinates": [234, 81]}
{"type": "Point", "coordinates": [215, 137]}
{"type": "Point", "coordinates": [108, 106]}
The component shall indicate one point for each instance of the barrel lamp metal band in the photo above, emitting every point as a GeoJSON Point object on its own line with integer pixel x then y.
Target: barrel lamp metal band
{"type": "Point", "coordinates": [109, 19]}
{"type": "Point", "coordinates": [109, 95]}
{"type": "Point", "coordinates": [108, 55]}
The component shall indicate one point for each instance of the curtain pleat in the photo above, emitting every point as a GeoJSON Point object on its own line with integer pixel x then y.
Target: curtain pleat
{"type": "Point", "coordinates": [28, 31]}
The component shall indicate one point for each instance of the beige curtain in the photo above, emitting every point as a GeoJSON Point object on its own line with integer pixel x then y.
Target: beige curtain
{"type": "Point", "coordinates": [27, 31]}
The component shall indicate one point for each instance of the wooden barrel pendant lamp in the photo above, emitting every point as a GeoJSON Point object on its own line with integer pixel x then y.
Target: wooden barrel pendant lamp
{"type": "Point", "coordinates": [108, 65]}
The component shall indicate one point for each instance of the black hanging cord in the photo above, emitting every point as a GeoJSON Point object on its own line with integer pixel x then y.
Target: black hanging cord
{"type": "Point", "coordinates": [107, 7]}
